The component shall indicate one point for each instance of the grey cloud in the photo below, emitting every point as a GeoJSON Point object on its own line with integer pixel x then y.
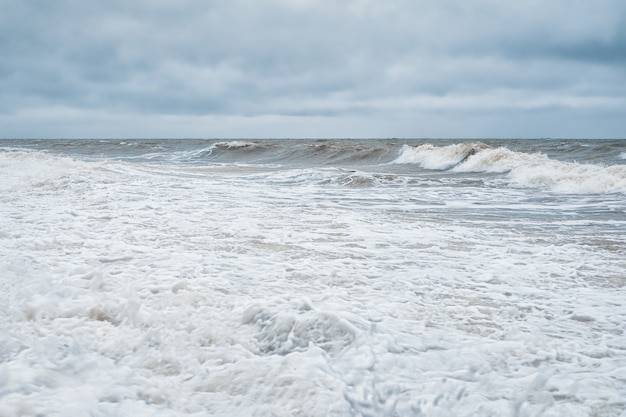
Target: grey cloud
{"type": "Point", "coordinates": [603, 52]}
{"type": "Point", "coordinates": [302, 57]}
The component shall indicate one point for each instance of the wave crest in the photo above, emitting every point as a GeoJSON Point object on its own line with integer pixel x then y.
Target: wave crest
{"type": "Point", "coordinates": [235, 144]}
{"type": "Point", "coordinates": [572, 178]}
{"type": "Point", "coordinates": [20, 169]}
{"type": "Point", "coordinates": [440, 158]}
{"type": "Point", "coordinates": [499, 160]}
{"type": "Point", "coordinates": [522, 169]}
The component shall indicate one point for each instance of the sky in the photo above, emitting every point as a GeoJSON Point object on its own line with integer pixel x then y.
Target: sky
{"type": "Point", "coordinates": [312, 68]}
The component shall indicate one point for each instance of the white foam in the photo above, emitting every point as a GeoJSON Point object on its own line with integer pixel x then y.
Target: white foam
{"type": "Point", "coordinates": [20, 169]}
{"type": "Point", "coordinates": [136, 290]}
{"type": "Point", "coordinates": [572, 177]}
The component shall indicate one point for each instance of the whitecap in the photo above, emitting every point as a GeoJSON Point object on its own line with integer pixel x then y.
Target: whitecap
{"type": "Point", "coordinates": [235, 144]}
{"type": "Point", "coordinates": [499, 160]}
{"type": "Point", "coordinates": [572, 178]}
{"type": "Point", "coordinates": [537, 170]}
{"type": "Point", "coordinates": [439, 158]}
{"type": "Point", "coordinates": [521, 169]}
{"type": "Point", "coordinates": [26, 168]}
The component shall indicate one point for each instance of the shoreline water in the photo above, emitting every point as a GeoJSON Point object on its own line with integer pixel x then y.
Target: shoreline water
{"type": "Point", "coordinates": [312, 278]}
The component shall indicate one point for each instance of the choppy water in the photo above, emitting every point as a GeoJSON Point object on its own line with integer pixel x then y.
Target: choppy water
{"type": "Point", "coordinates": [312, 278]}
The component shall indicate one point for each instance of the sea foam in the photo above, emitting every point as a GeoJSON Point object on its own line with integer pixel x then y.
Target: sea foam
{"type": "Point", "coordinates": [170, 287]}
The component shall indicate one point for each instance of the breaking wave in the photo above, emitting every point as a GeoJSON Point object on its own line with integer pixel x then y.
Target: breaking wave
{"type": "Point", "coordinates": [346, 164]}
{"type": "Point", "coordinates": [441, 158]}
{"type": "Point", "coordinates": [20, 169]}
{"type": "Point", "coordinates": [522, 169]}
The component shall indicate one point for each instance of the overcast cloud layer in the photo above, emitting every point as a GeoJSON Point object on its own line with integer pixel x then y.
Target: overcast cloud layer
{"type": "Point", "coordinates": [304, 68]}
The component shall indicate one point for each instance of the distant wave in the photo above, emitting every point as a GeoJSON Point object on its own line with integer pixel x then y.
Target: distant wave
{"type": "Point", "coordinates": [218, 151]}
{"type": "Point", "coordinates": [523, 169]}
{"type": "Point", "coordinates": [316, 153]}
{"type": "Point", "coordinates": [19, 168]}
{"type": "Point", "coordinates": [235, 144]}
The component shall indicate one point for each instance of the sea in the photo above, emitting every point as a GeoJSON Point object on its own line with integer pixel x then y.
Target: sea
{"type": "Point", "coordinates": [379, 277]}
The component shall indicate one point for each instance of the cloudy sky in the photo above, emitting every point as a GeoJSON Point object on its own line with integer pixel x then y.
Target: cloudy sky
{"type": "Point", "coordinates": [312, 68]}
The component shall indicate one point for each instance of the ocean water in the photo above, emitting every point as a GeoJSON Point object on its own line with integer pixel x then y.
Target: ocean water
{"type": "Point", "coordinates": [312, 278]}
